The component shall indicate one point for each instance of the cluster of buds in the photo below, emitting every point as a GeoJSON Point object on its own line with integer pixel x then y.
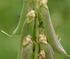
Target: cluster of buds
{"type": "Point", "coordinates": [39, 48]}
{"type": "Point", "coordinates": [31, 31]}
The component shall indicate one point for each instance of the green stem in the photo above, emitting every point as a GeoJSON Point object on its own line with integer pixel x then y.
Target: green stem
{"type": "Point", "coordinates": [20, 23]}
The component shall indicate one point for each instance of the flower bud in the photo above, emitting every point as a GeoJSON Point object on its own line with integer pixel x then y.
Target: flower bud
{"type": "Point", "coordinates": [30, 16]}
{"type": "Point", "coordinates": [42, 54]}
{"type": "Point", "coordinates": [27, 40]}
{"type": "Point", "coordinates": [43, 3]}
{"type": "Point", "coordinates": [42, 38]}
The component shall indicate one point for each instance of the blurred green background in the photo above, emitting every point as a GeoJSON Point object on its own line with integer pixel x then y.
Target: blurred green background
{"type": "Point", "coordinates": [9, 17]}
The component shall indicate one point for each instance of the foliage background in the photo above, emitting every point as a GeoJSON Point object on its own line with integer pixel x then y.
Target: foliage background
{"type": "Point", "coordinates": [9, 17]}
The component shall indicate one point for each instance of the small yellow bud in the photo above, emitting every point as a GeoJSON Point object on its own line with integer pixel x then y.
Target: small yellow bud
{"type": "Point", "coordinates": [27, 40]}
{"type": "Point", "coordinates": [43, 3]}
{"type": "Point", "coordinates": [42, 38]}
{"type": "Point", "coordinates": [31, 13]}
{"type": "Point", "coordinates": [30, 16]}
{"type": "Point", "coordinates": [42, 54]}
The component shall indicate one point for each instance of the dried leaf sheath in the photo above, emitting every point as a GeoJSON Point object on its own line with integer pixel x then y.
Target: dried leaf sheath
{"type": "Point", "coordinates": [49, 29]}
{"type": "Point", "coordinates": [44, 45]}
{"type": "Point", "coordinates": [27, 48]}
{"type": "Point", "coordinates": [27, 52]}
